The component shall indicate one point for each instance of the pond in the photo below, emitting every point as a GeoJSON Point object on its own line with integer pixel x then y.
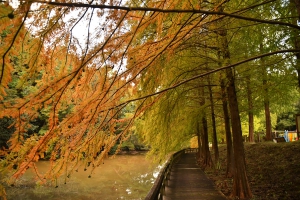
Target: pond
{"type": "Point", "coordinates": [123, 177]}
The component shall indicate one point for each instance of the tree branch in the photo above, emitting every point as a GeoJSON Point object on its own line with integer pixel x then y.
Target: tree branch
{"type": "Point", "coordinates": [12, 43]}
{"type": "Point", "coordinates": [210, 72]}
{"type": "Point", "coordinates": [128, 9]}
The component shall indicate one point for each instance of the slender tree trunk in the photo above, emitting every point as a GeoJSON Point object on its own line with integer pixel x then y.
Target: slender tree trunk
{"type": "Point", "coordinates": [250, 109]}
{"type": "Point", "coordinates": [230, 157]}
{"type": "Point", "coordinates": [206, 157]}
{"type": "Point", "coordinates": [266, 97]}
{"type": "Point", "coordinates": [241, 187]}
{"type": "Point", "coordinates": [206, 161]}
{"type": "Point", "coordinates": [199, 141]}
{"type": "Point", "coordinates": [213, 119]}
{"type": "Point", "coordinates": [268, 119]}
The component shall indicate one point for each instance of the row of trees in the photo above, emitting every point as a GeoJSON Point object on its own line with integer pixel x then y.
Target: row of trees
{"type": "Point", "coordinates": [76, 78]}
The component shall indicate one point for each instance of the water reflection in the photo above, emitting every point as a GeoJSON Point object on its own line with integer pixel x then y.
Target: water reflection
{"type": "Point", "coordinates": [128, 191]}
{"type": "Point", "coordinates": [124, 177]}
{"type": "Point", "coordinates": [156, 171]}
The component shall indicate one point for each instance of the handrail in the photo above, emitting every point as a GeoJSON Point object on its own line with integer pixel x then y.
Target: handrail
{"type": "Point", "coordinates": [157, 190]}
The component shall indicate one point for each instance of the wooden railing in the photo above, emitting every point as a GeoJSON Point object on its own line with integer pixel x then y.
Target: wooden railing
{"type": "Point", "coordinates": [158, 188]}
{"type": "Point", "coordinates": [191, 150]}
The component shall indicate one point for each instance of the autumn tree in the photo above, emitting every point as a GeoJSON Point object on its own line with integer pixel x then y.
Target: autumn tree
{"type": "Point", "coordinates": [142, 47]}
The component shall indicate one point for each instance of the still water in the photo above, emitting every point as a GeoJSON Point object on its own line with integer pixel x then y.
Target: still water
{"type": "Point", "coordinates": [127, 177]}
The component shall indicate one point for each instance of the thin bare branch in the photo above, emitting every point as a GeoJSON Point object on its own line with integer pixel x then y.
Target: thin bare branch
{"type": "Point", "coordinates": [12, 43]}
{"type": "Point", "coordinates": [128, 9]}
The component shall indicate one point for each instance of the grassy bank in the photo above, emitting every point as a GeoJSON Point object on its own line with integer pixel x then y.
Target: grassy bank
{"type": "Point", "coordinates": [273, 170]}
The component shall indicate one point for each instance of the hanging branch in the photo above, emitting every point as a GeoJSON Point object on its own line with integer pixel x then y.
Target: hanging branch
{"type": "Point", "coordinates": [210, 72]}
{"type": "Point", "coordinates": [128, 9]}
{"type": "Point", "coordinates": [12, 43]}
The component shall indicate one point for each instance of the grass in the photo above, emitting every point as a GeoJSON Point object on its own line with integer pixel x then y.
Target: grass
{"type": "Point", "coordinates": [273, 170]}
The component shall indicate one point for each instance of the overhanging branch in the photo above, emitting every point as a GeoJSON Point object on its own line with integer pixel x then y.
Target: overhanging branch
{"type": "Point", "coordinates": [211, 72]}
{"type": "Point", "coordinates": [145, 9]}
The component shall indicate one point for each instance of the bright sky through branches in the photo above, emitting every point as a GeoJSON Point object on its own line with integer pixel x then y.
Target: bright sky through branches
{"type": "Point", "coordinates": [93, 69]}
{"type": "Point", "coordinates": [87, 28]}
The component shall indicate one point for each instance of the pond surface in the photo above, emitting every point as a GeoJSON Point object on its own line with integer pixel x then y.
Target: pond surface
{"type": "Point", "coordinates": [123, 177]}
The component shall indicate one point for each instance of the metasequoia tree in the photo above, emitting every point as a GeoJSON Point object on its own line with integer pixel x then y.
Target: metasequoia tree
{"type": "Point", "coordinates": [294, 8]}
{"type": "Point", "coordinates": [229, 153]}
{"type": "Point", "coordinates": [266, 98]}
{"type": "Point", "coordinates": [213, 120]}
{"type": "Point", "coordinates": [276, 69]}
{"type": "Point", "coordinates": [250, 109]}
{"type": "Point", "coordinates": [90, 92]}
{"type": "Point", "coordinates": [205, 157]}
{"type": "Point", "coordinates": [268, 75]}
{"type": "Point", "coordinates": [240, 180]}
{"type": "Point", "coordinates": [123, 48]}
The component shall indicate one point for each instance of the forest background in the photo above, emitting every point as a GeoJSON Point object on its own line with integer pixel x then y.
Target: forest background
{"type": "Point", "coordinates": [79, 77]}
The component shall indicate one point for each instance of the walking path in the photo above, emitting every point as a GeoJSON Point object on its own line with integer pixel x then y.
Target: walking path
{"type": "Point", "coordinates": [187, 181]}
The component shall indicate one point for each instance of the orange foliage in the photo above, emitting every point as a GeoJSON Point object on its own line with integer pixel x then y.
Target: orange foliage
{"type": "Point", "coordinates": [92, 79]}
{"type": "Point", "coordinates": [93, 87]}
{"type": "Point", "coordinates": [83, 83]}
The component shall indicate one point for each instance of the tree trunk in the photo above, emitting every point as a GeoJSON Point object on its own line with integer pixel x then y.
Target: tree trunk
{"type": "Point", "coordinates": [241, 188]}
{"type": "Point", "coordinates": [230, 158]}
{"type": "Point", "coordinates": [205, 154]}
{"type": "Point", "coordinates": [206, 159]}
{"type": "Point", "coordinates": [250, 109]}
{"type": "Point", "coordinates": [266, 97]}
{"type": "Point", "coordinates": [213, 119]}
{"type": "Point", "coordinates": [268, 120]}
{"type": "Point", "coordinates": [199, 141]}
